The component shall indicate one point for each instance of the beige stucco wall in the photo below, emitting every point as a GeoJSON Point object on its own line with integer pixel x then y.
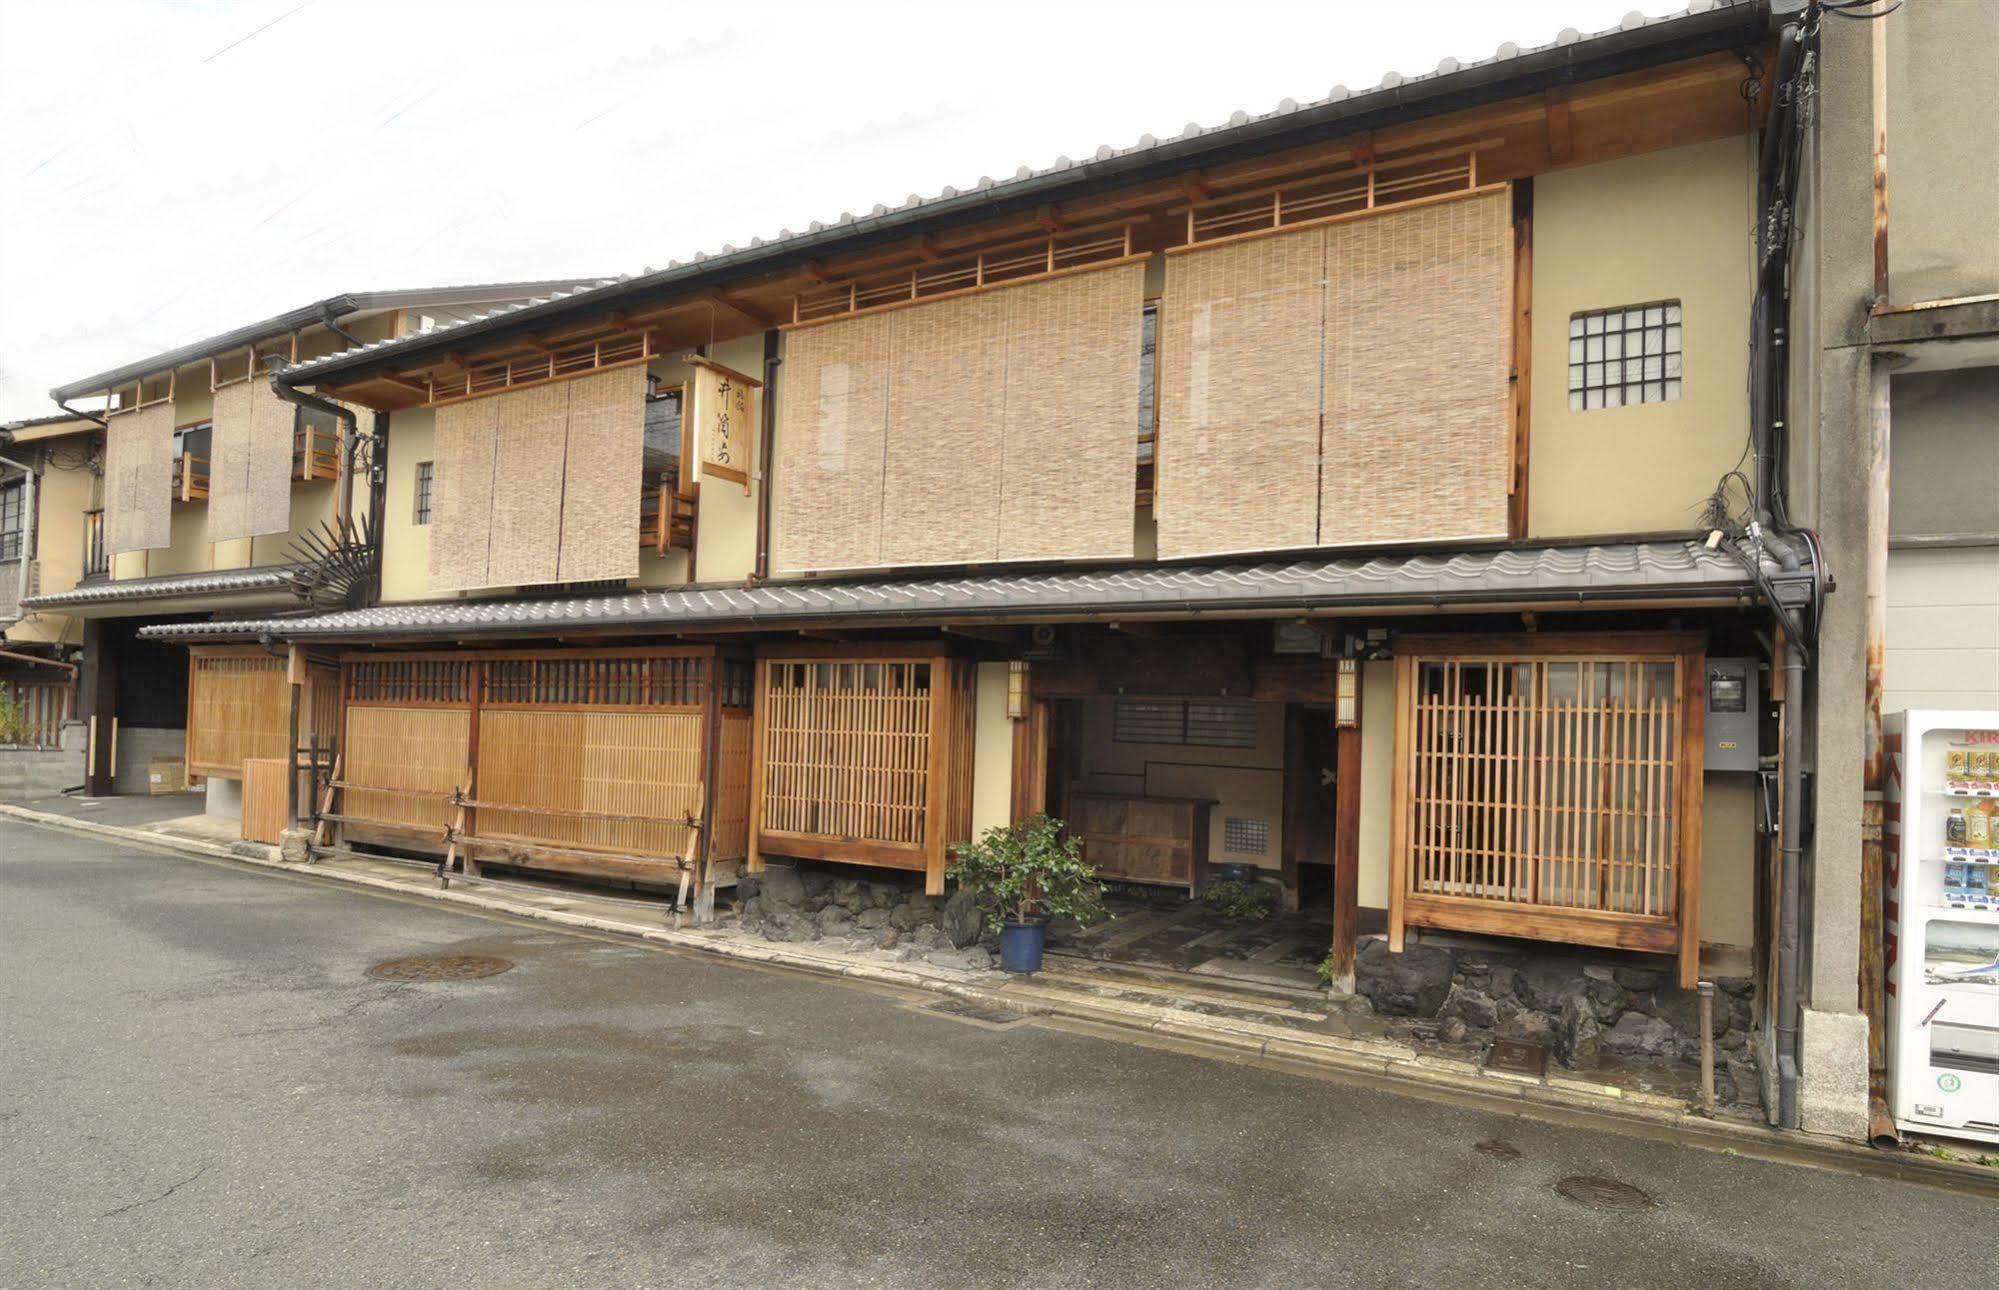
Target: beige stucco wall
{"type": "Point", "coordinates": [992, 752]}
{"type": "Point", "coordinates": [1244, 782]}
{"type": "Point", "coordinates": [406, 544]}
{"type": "Point", "coordinates": [1672, 225]}
{"type": "Point", "coordinates": [62, 494]}
{"type": "Point", "coordinates": [1728, 837]}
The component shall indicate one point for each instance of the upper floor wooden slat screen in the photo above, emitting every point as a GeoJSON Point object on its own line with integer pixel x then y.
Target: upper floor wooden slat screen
{"type": "Point", "coordinates": [250, 462]}
{"type": "Point", "coordinates": [1240, 396]}
{"type": "Point", "coordinates": [138, 479]}
{"type": "Point", "coordinates": [991, 426]}
{"type": "Point", "coordinates": [1418, 360]}
{"type": "Point", "coordinates": [1344, 383]}
{"type": "Point", "coordinates": [539, 484]}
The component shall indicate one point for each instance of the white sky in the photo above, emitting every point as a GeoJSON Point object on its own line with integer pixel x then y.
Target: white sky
{"type": "Point", "coordinates": [169, 170]}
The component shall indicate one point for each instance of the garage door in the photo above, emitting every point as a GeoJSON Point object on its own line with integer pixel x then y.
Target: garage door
{"type": "Point", "coordinates": [1943, 628]}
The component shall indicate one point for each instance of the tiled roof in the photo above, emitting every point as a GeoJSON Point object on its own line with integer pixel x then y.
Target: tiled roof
{"type": "Point", "coordinates": [1668, 570]}
{"type": "Point", "coordinates": [222, 582]}
{"type": "Point", "coordinates": [1394, 89]}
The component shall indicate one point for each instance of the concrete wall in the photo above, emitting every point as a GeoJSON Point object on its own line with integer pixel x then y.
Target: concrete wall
{"type": "Point", "coordinates": [1670, 225]}
{"type": "Point", "coordinates": [1943, 188]}
{"type": "Point", "coordinates": [137, 746]}
{"type": "Point", "coordinates": [1943, 629]}
{"type": "Point", "coordinates": [1943, 474]}
{"type": "Point", "coordinates": [1245, 782]}
{"type": "Point", "coordinates": [30, 773]}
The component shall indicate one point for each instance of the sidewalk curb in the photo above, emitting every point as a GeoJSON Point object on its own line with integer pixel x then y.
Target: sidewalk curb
{"type": "Point", "coordinates": [1384, 1065]}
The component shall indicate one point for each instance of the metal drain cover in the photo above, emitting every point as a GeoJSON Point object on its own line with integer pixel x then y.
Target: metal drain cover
{"type": "Point", "coordinates": [440, 967]}
{"type": "Point", "coordinates": [1599, 1192]}
{"type": "Point", "coordinates": [1497, 1148]}
{"type": "Point", "coordinates": [993, 1015]}
{"type": "Point", "coordinates": [1516, 1058]}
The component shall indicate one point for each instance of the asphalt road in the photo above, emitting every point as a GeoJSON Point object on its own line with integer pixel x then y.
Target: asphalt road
{"type": "Point", "coordinates": [201, 1086]}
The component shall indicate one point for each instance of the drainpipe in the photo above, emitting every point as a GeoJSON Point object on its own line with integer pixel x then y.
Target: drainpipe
{"type": "Point", "coordinates": [1790, 850]}
{"type": "Point", "coordinates": [80, 414]}
{"type": "Point", "coordinates": [350, 433]}
{"type": "Point", "coordinates": [326, 317]}
{"type": "Point", "coordinates": [767, 434]}
{"type": "Point", "coordinates": [30, 522]}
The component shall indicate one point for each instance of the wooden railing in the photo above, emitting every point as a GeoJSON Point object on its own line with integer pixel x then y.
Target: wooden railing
{"type": "Point", "coordinates": [666, 518]}
{"type": "Point", "coordinates": [191, 477]}
{"type": "Point", "coordinates": [315, 452]}
{"type": "Point", "coordinates": [39, 709]}
{"type": "Point", "coordinates": [96, 561]}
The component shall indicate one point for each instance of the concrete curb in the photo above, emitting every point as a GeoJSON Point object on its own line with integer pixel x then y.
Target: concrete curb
{"type": "Point", "coordinates": [1381, 1064]}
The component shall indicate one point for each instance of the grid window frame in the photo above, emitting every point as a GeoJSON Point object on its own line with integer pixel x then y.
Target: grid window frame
{"type": "Point", "coordinates": [420, 492]}
{"type": "Point", "coordinates": [13, 518]}
{"type": "Point", "coordinates": [1626, 356]}
{"type": "Point", "coordinates": [1187, 723]}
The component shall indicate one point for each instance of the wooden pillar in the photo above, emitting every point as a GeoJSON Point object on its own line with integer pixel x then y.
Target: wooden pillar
{"type": "Point", "coordinates": [1346, 846]}
{"type": "Point", "coordinates": [1296, 784]}
{"type": "Point", "coordinates": [295, 682]}
{"type": "Point", "coordinates": [1030, 762]}
{"type": "Point", "coordinates": [100, 705]}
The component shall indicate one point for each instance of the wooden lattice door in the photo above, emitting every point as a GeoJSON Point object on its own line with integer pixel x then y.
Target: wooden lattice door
{"type": "Point", "coordinates": [1550, 788]}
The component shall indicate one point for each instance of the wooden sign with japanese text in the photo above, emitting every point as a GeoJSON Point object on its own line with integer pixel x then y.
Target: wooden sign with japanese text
{"type": "Point", "coordinates": [724, 429]}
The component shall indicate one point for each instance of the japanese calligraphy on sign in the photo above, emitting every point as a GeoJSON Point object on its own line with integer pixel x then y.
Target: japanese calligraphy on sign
{"type": "Point", "coordinates": [724, 429]}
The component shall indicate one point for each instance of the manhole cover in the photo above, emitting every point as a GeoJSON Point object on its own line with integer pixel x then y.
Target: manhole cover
{"type": "Point", "coordinates": [440, 967]}
{"type": "Point", "coordinates": [1497, 1148]}
{"type": "Point", "coordinates": [1603, 1193]}
{"type": "Point", "coordinates": [1517, 1058]}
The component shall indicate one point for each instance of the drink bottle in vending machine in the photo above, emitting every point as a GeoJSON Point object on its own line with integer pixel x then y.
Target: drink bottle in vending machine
{"type": "Point", "coordinates": [1942, 922]}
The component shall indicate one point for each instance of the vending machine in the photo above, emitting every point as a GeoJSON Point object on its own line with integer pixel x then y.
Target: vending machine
{"type": "Point", "coordinates": [1941, 843]}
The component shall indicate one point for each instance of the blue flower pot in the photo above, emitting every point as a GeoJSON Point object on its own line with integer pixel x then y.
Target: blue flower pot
{"type": "Point", "coordinates": [1021, 945]}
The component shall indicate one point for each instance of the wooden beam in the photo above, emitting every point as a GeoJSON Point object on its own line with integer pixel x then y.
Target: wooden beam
{"type": "Point", "coordinates": [1561, 137]}
{"type": "Point", "coordinates": [997, 635]}
{"type": "Point", "coordinates": [747, 310]}
{"type": "Point", "coordinates": [1346, 848]}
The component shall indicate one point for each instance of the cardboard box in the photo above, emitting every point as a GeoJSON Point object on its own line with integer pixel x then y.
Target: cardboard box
{"type": "Point", "coordinates": [166, 775]}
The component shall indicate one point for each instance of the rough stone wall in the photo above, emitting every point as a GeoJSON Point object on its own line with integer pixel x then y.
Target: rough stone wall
{"type": "Point", "coordinates": [787, 904]}
{"type": "Point", "coordinates": [1579, 1010]}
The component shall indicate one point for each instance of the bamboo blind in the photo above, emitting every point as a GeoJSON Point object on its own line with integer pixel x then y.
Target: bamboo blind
{"type": "Point", "coordinates": [946, 409]}
{"type": "Point", "coordinates": [589, 760]}
{"type": "Point", "coordinates": [540, 484]}
{"type": "Point", "coordinates": [1344, 383]}
{"type": "Point", "coordinates": [732, 787]}
{"type": "Point", "coordinates": [238, 706]}
{"type": "Point", "coordinates": [605, 455]}
{"type": "Point", "coordinates": [847, 749]}
{"type": "Point", "coordinates": [1240, 395]}
{"type": "Point", "coordinates": [416, 757]}
{"type": "Point", "coordinates": [991, 426]}
{"type": "Point", "coordinates": [1418, 356]}
{"type": "Point", "coordinates": [250, 462]}
{"type": "Point", "coordinates": [831, 424]}
{"type": "Point", "coordinates": [524, 542]}
{"type": "Point", "coordinates": [263, 818]}
{"type": "Point", "coordinates": [139, 479]}
{"type": "Point", "coordinates": [1551, 784]}
{"type": "Point", "coordinates": [642, 766]}
{"type": "Point", "coordinates": [461, 495]}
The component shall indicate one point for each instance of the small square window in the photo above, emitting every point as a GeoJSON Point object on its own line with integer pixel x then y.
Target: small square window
{"type": "Point", "coordinates": [421, 511]}
{"type": "Point", "coordinates": [1623, 356]}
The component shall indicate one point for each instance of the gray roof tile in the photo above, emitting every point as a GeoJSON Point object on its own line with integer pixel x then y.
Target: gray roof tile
{"type": "Point", "coordinates": [1540, 575]}
{"type": "Point", "coordinates": [222, 582]}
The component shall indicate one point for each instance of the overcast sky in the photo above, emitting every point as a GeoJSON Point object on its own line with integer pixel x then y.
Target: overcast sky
{"type": "Point", "coordinates": [169, 170]}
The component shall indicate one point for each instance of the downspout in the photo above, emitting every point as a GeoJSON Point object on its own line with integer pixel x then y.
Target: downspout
{"type": "Point", "coordinates": [81, 415]}
{"type": "Point", "coordinates": [767, 436]}
{"type": "Point", "coordinates": [326, 317]}
{"type": "Point", "coordinates": [350, 434]}
{"type": "Point", "coordinates": [1791, 871]}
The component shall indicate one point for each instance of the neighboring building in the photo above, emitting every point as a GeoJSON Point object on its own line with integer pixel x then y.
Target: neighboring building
{"type": "Point", "coordinates": [1394, 493]}
{"type": "Point", "coordinates": [193, 491]}
{"type": "Point", "coordinates": [47, 468]}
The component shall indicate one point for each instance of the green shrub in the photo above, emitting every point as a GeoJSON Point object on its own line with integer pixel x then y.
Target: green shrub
{"type": "Point", "coordinates": [1019, 872]}
{"type": "Point", "coordinates": [1246, 901]}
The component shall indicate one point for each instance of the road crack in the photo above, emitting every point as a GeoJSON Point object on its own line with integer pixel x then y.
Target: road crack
{"type": "Point", "coordinates": [141, 1204]}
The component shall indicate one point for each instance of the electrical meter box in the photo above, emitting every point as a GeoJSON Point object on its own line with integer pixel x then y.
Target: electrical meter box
{"type": "Point", "coordinates": [1733, 715]}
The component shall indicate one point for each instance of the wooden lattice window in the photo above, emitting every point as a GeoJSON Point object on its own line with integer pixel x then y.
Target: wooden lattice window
{"type": "Point", "coordinates": [1550, 788]}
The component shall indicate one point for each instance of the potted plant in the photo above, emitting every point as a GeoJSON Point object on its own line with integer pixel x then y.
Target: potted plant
{"type": "Point", "coordinates": [1022, 875]}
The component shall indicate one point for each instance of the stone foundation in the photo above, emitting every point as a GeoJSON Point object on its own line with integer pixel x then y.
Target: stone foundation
{"type": "Point", "coordinates": [896, 918]}
{"type": "Point", "coordinates": [1579, 1010]}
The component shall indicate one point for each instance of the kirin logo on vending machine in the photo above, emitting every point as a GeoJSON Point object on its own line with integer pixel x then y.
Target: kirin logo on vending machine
{"type": "Point", "coordinates": [1891, 863]}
